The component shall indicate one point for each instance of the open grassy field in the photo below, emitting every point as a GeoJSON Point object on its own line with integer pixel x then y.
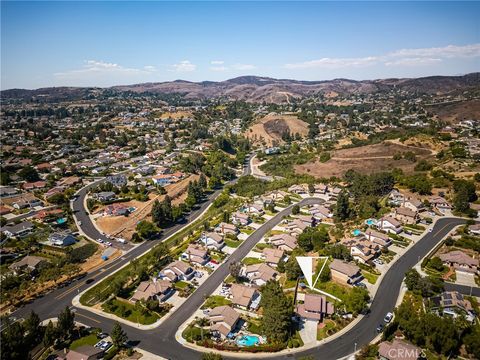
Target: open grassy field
{"type": "Point", "coordinates": [270, 128]}
{"type": "Point", "coordinates": [125, 226]}
{"type": "Point", "coordinates": [364, 159]}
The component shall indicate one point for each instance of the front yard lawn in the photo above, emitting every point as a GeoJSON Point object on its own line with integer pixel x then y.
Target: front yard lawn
{"type": "Point", "coordinates": [130, 312]}
{"type": "Point", "coordinates": [371, 278]}
{"type": "Point", "coordinates": [251, 261]}
{"type": "Point", "coordinates": [181, 285]}
{"type": "Point", "coordinates": [86, 340]}
{"type": "Point", "coordinates": [214, 301]}
{"type": "Point", "coordinates": [327, 330]}
{"type": "Point", "coordinates": [232, 243]}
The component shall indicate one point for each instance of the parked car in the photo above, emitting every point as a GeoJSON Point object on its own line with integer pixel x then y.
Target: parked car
{"type": "Point", "coordinates": [379, 328]}
{"type": "Point", "coordinates": [102, 335]}
{"type": "Point", "coordinates": [388, 317]}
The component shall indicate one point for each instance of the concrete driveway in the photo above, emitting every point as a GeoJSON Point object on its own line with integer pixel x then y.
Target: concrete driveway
{"type": "Point", "coordinates": [308, 331]}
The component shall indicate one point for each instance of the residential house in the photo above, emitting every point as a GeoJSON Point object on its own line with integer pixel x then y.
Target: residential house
{"type": "Point", "coordinates": [34, 185]}
{"type": "Point", "coordinates": [335, 192]}
{"type": "Point", "coordinates": [362, 250]}
{"type": "Point", "coordinates": [254, 209]}
{"type": "Point", "coordinates": [308, 220]}
{"type": "Point", "coordinates": [223, 320]}
{"type": "Point", "coordinates": [53, 191]}
{"type": "Point", "coordinates": [296, 226]}
{"type": "Point", "coordinates": [155, 289]}
{"type": "Point", "coordinates": [62, 239]}
{"type": "Point", "coordinates": [399, 350]}
{"type": "Point", "coordinates": [117, 180]}
{"type": "Point", "coordinates": [452, 303]}
{"type": "Point", "coordinates": [7, 191]}
{"type": "Point", "coordinates": [212, 240]}
{"type": "Point", "coordinates": [320, 213]}
{"type": "Point", "coordinates": [378, 238]}
{"type": "Point", "coordinates": [18, 230]}
{"type": "Point", "coordinates": [320, 189]}
{"type": "Point", "coordinates": [283, 241]}
{"type": "Point", "coordinates": [414, 205]}
{"type": "Point", "coordinates": [196, 254]}
{"type": "Point", "coordinates": [245, 297]}
{"type": "Point", "coordinates": [389, 224]}
{"type": "Point", "coordinates": [345, 273]}
{"type": "Point", "coordinates": [178, 270]}
{"type": "Point", "coordinates": [70, 181]}
{"type": "Point", "coordinates": [315, 307]}
{"type": "Point", "coordinates": [406, 215]}
{"type": "Point", "coordinates": [116, 209]}
{"type": "Point", "coordinates": [239, 218]}
{"type": "Point", "coordinates": [460, 261]}
{"type": "Point", "coordinates": [440, 204]}
{"type": "Point", "coordinates": [396, 197]}
{"type": "Point", "coordinates": [272, 256]}
{"type": "Point", "coordinates": [28, 264]}
{"type": "Point", "coordinates": [474, 229]}
{"type": "Point", "coordinates": [259, 274]}
{"type": "Point", "coordinates": [105, 196]}
{"type": "Point", "coordinates": [298, 189]}
{"type": "Point", "coordinates": [225, 228]}
{"type": "Point", "coordinates": [85, 352]}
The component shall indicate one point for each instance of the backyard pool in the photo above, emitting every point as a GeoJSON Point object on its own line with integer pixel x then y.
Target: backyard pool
{"type": "Point", "coordinates": [356, 232]}
{"type": "Point", "coordinates": [370, 222]}
{"type": "Point", "coordinates": [248, 340]}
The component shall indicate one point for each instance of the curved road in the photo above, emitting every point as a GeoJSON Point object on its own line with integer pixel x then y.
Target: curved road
{"type": "Point", "coordinates": [162, 340]}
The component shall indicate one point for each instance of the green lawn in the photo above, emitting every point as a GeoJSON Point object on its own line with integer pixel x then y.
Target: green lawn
{"type": "Point", "coordinates": [371, 278]}
{"type": "Point", "coordinates": [261, 246]}
{"type": "Point", "coordinates": [86, 340]}
{"type": "Point", "coordinates": [251, 261]}
{"type": "Point", "coordinates": [247, 230]}
{"type": "Point", "coordinates": [326, 330]}
{"type": "Point", "coordinates": [130, 312]}
{"type": "Point", "coordinates": [214, 301]}
{"type": "Point", "coordinates": [181, 285]}
{"type": "Point", "coordinates": [233, 243]}
{"type": "Point", "coordinates": [339, 291]}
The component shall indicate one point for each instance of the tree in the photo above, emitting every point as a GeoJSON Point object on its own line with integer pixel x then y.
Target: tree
{"type": "Point", "coordinates": [436, 263]}
{"type": "Point", "coordinates": [472, 341]}
{"type": "Point", "coordinates": [32, 328]}
{"type": "Point", "coordinates": [342, 208]}
{"type": "Point", "coordinates": [28, 173]}
{"type": "Point", "coordinates": [202, 181]}
{"type": "Point", "coordinates": [277, 312]}
{"type": "Point", "coordinates": [146, 229]}
{"type": "Point", "coordinates": [119, 337]}
{"type": "Point", "coordinates": [12, 342]}
{"type": "Point", "coordinates": [235, 269]}
{"type": "Point", "coordinates": [357, 301]}
{"type": "Point", "coordinates": [295, 209]}
{"type": "Point", "coordinates": [66, 322]}
{"type": "Point", "coordinates": [292, 269]}
{"type": "Point", "coordinates": [50, 334]}
{"type": "Point", "coordinates": [412, 279]}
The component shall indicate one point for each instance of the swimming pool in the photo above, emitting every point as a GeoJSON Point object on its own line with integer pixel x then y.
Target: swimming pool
{"type": "Point", "coordinates": [356, 232]}
{"type": "Point", "coordinates": [370, 222]}
{"type": "Point", "coordinates": [248, 340]}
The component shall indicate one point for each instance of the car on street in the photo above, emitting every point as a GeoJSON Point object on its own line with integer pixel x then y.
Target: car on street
{"type": "Point", "coordinates": [388, 317]}
{"type": "Point", "coordinates": [379, 328]}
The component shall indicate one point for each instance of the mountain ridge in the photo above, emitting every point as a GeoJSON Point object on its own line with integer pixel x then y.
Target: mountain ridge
{"type": "Point", "coordinates": [259, 89]}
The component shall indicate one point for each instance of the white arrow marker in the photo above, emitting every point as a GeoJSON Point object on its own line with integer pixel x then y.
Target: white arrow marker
{"type": "Point", "coordinates": [306, 265]}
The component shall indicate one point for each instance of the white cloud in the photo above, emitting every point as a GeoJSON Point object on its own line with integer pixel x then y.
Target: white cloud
{"type": "Point", "coordinates": [150, 68]}
{"type": "Point", "coordinates": [218, 68]}
{"type": "Point", "coordinates": [402, 57]}
{"type": "Point", "coordinates": [184, 66]}
{"type": "Point", "coordinates": [413, 62]}
{"type": "Point", "coordinates": [334, 63]}
{"type": "Point", "coordinates": [217, 62]}
{"type": "Point", "coordinates": [243, 67]}
{"type": "Point", "coordinates": [99, 68]}
{"type": "Point", "coordinates": [450, 51]}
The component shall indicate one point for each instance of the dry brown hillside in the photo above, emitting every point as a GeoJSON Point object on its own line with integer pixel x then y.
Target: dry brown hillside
{"type": "Point", "coordinates": [269, 129]}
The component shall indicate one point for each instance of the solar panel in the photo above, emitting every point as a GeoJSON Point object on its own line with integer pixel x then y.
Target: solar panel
{"type": "Point", "coordinates": [447, 296]}
{"type": "Point", "coordinates": [448, 302]}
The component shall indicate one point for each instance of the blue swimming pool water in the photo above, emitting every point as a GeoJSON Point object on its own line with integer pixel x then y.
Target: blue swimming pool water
{"type": "Point", "coordinates": [370, 222]}
{"type": "Point", "coordinates": [248, 340]}
{"type": "Point", "coordinates": [356, 232]}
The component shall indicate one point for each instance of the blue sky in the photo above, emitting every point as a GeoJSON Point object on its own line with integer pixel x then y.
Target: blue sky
{"type": "Point", "coordinates": [111, 43]}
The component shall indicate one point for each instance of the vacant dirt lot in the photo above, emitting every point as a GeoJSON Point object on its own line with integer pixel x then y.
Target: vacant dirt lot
{"type": "Point", "coordinates": [458, 111]}
{"type": "Point", "coordinates": [364, 159]}
{"type": "Point", "coordinates": [124, 227]}
{"type": "Point", "coordinates": [270, 128]}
